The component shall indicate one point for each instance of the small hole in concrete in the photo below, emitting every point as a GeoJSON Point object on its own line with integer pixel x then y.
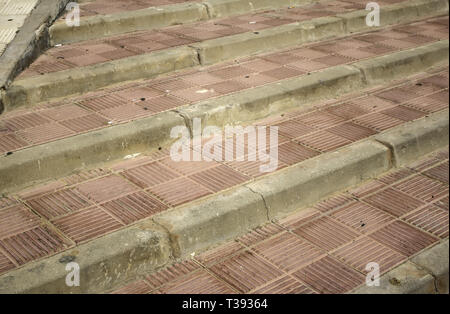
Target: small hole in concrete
{"type": "Point", "coordinates": [142, 99]}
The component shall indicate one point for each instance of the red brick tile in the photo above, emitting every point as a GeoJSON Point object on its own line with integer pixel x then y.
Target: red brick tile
{"type": "Point", "coordinates": [284, 285]}
{"type": "Point", "coordinates": [64, 112]}
{"type": "Point", "coordinates": [320, 119]}
{"type": "Point", "coordinates": [150, 175]}
{"type": "Point", "coordinates": [293, 129]}
{"type": "Point", "coordinates": [171, 273]}
{"type": "Point", "coordinates": [403, 238]}
{"type": "Point", "coordinates": [134, 207]}
{"type": "Point", "coordinates": [45, 133]}
{"type": "Point", "coordinates": [431, 219]}
{"type": "Point", "coordinates": [175, 192]}
{"type": "Point", "coordinates": [139, 287]}
{"type": "Point", "coordinates": [288, 252]}
{"type": "Point", "coordinates": [323, 141]}
{"type": "Point", "coordinates": [216, 255]}
{"type": "Point", "coordinates": [219, 178]}
{"type": "Point", "coordinates": [59, 203]}
{"type": "Point", "coordinates": [87, 224]}
{"type": "Point", "coordinates": [291, 153]}
{"type": "Point", "coordinates": [24, 121]}
{"type": "Point", "coordinates": [197, 283]}
{"type": "Point", "coordinates": [259, 234]}
{"type": "Point", "coordinates": [362, 217]}
{"type": "Point", "coordinates": [423, 188]}
{"type": "Point", "coordinates": [103, 102]}
{"type": "Point", "coordinates": [32, 244]}
{"type": "Point", "coordinates": [351, 131]}
{"type": "Point", "coordinates": [394, 202]}
{"type": "Point", "coordinates": [363, 251]}
{"type": "Point", "coordinates": [11, 142]}
{"type": "Point", "coordinates": [283, 73]}
{"type": "Point", "coordinates": [16, 219]}
{"type": "Point", "coordinates": [86, 123]}
{"type": "Point", "coordinates": [106, 188]}
{"type": "Point", "coordinates": [326, 233]}
{"type": "Point", "coordinates": [246, 271]}
{"type": "Point", "coordinates": [329, 276]}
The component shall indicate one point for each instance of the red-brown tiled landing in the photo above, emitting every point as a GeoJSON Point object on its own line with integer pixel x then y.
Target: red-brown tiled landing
{"type": "Point", "coordinates": [324, 249]}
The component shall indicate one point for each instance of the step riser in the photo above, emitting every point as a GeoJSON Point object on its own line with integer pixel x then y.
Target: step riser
{"type": "Point", "coordinates": [191, 228]}
{"type": "Point", "coordinates": [152, 18]}
{"type": "Point", "coordinates": [62, 157]}
{"type": "Point", "coordinates": [70, 82]}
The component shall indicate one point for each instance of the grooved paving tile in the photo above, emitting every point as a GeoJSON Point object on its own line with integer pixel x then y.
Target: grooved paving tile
{"type": "Point", "coordinates": [362, 217]}
{"type": "Point", "coordinates": [161, 103]}
{"type": "Point", "coordinates": [87, 224]}
{"type": "Point", "coordinates": [246, 271]}
{"type": "Point", "coordinates": [171, 273]}
{"type": "Point", "coordinates": [197, 283]}
{"type": "Point", "coordinates": [361, 252]}
{"type": "Point", "coordinates": [24, 121]}
{"type": "Point", "coordinates": [326, 233]}
{"type": "Point", "coordinates": [195, 94]}
{"type": "Point", "coordinates": [253, 168]}
{"type": "Point", "coordinates": [134, 207]}
{"type": "Point", "coordinates": [231, 72]}
{"type": "Point", "coordinates": [85, 175]}
{"type": "Point", "coordinates": [283, 73]}
{"type": "Point", "coordinates": [333, 203]}
{"type": "Point", "coordinates": [397, 95]}
{"type": "Point", "coordinates": [347, 111]}
{"type": "Point", "coordinates": [59, 203]}
{"type": "Point", "coordinates": [431, 219]}
{"type": "Point", "coordinates": [220, 253]}
{"type": "Point", "coordinates": [5, 264]}
{"type": "Point", "coordinates": [7, 202]}
{"type": "Point", "coordinates": [292, 153]}
{"type": "Point", "coordinates": [139, 287]}
{"type": "Point", "coordinates": [11, 142]}
{"type": "Point", "coordinates": [65, 112]}
{"type": "Point", "coordinates": [394, 202]}
{"type": "Point", "coordinates": [150, 175]}
{"type": "Point", "coordinates": [226, 87]}
{"type": "Point", "coordinates": [439, 172]}
{"type": "Point", "coordinates": [259, 234]}
{"type": "Point", "coordinates": [320, 119]}
{"type": "Point", "coordinates": [423, 188]}
{"type": "Point", "coordinates": [329, 276]}
{"type": "Point", "coordinates": [188, 167]}
{"type": "Point", "coordinates": [378, 121]}
{"type": "Point", "coordinates": [106, 188]}
{"type": "Point", "coordinates": [323, 141]}
{"type": "Point", "coordinates": [288, 252]}
{"type": "Point", "coordinates": [103, 102]}
{"type": "Point", "coordinates": [351, 131]}
{"type": "Point", "coordinates": [219, 178]}
{"type": "Point", "coordinates": [293, 129]}
{"type": "Point", "coordinates": [367, 188]}
{"type": "Point", "coordinates": [424, 164]}
{"type": "Point", "coordinates": [284, 285]}
{"type": "Point", "coordinates": [403, 238]}
{"type": "Point", "coordinates": [373, 103]}
{"type": "Point", "coordinates": [16, 219]}
{"type": "Point", "coordinates": [45, 133]}
{"type": "Point", "coordinates": [294, 221]}
{"type": "Point", "coordinates": [179, 191]}
{"type": "Point", "coordinates": [85, 123]}
{"type": "Point", "coordinates": [395, 176]}
{"type": "Point", "coordinates": [443, 203]}
{"type": "Point", "coordinates": [427, 104]}
{"type": "Point", "coordinates": [32, 244]}
{"type": "Point", "coordinates": [404, 113]}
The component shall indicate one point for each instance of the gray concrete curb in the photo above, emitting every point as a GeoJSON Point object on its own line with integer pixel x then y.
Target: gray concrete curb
{"type": "Point", "coordinates": [115, 258]}
{"type": "Point", "coordinates": [60, 158]}
{"type": "Point", "coordinates": [29, 42]}
{"type": "Point", "coordinates": [83, 79]}
{"type": "Point", "coordinates": [95, 27]}
{"type": "Point", "coordinates": [426, 273]}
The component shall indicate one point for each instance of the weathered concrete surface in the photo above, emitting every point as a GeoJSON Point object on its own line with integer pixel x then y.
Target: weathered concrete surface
{"type": "Point", "coordinates": [216, 219]}
{"type": "Point", "coordinates": [306, 183]}
{"type": "Point", "coordinates": [80, 80]}
{"type": "Point", "coordinates": [426, 136]}
{"type": "Point", "coordinates": [426, 273]}
{"type": "Point", "coordinates": [103, 262]}
{"type": "Point", "coordinates": [29, 42]}
{"type": "Point", "coordinates": [435, 261]}
{"type": "Point", "coordinates": [108, 25]}
{"type": "Point", "coordinates": [62, 157]}
{"type": "Point", "coordinates": [403, 63]}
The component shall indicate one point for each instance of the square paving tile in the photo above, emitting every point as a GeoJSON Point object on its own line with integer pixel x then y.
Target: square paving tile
{"type": "Point", "coordinates": [150, 175]}
{"type": "Point", "coordinates": [431, 219]}
{"type": "Point", "coordinates": [16, 219]}
{"type": "Point", "coordinates": [284, 285]}
{"type": "Point", "coordinates": [246, 271]}
{"type": "Point", "coordinates": [403, 238]}
{"type": "Point", "coordinates": [328, 276]}
{"type": "Point", "coordinates": [200, 282]}
{"type": "Point", "coordinates": [394, 202]}
{"type": "Point", "coordinates": [423, 188]}
{"type": "Point", "coordinates": [219, 178]}
{"type": "Point", "coordinates": [106, 188]}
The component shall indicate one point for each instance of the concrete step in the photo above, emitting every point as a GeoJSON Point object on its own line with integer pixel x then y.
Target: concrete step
{"type": "Point", "coordinates": [113, 66]}
{"type": "Point", "coordinates": [130, 218]}
{"type": "Point", "coordinates": [56, 139]}
{"type": "Point", "coordinates": [341, 234]}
